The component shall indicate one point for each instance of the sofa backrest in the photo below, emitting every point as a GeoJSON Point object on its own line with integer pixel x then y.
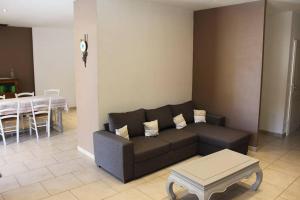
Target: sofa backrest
{"type": "Point", "coordinates": [134, 121]}
{"type": "Point", "coordinates": [163, 115]}
{"type": "Point", "coordinates": [186, 109]}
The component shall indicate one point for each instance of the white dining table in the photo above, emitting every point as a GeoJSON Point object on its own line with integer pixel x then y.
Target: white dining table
{"type": "Point", "coordinates": [58, 103]}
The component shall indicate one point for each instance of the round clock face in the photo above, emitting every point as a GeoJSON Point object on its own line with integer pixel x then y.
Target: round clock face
{"type": "Point", "coordinates": [83, 46]}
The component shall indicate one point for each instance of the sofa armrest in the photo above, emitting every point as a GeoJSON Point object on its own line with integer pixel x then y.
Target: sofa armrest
{"type": "Point", "coordinates": [215, 119]}
{"type": "Point", "coordinates": [114, 154]}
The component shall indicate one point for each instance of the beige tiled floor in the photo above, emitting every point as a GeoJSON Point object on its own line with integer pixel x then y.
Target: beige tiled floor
{"type": "Point", "coordinates": [53, 169]}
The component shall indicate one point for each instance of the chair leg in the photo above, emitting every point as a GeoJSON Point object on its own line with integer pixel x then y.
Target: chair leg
{"type": "Point", "coordinates": [48, 127]}
{"type": "Point", "coordinates": [30, 127]}
{"type": "Point", "coordinates": [36, 131]}
{"type": "Point", "coordinates": [18, 136]}
{"type": "Point", "coordinates": [3, 138]}
{"type": "Point", "coordinates": [22, 122]}
{"type": "Point", "coordinates": [18, 131]}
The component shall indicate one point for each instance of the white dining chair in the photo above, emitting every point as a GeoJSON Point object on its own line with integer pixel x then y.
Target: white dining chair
{"type": "Point", "coordinates": [24, 94]}
{"type": "Point", "coordinates": [19, 95]}
{"type": "Point", "coordinates": [52, 92]}
{"type": "Point", "coordinates": [2, 97]}
{"type": "Point", "coordinates": [9, 121]}
{"type": "Point", "coordinates": [40, 116]}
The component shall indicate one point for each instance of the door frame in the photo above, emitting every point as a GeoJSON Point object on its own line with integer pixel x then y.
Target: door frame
{"type": "Point", "coordinates": [291, 85]}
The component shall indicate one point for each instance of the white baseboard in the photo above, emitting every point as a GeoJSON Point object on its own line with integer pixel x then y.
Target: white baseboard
{"type": "Point", "coordinates": [85, 152]}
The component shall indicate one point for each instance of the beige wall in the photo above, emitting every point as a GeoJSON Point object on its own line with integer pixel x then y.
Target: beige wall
{"type": "Point", "coordinates": [145, 55]}
{"type": "Point", "coordinates": [85, 22]}
{"type": "Point", "coordinates": [296, 25]}
{"type": "Point", "coordinates": [140, 55]}
{"type": "Point", "coordinates": [275, 72]}
{"type": "Point", "coordinates": [54, 61]}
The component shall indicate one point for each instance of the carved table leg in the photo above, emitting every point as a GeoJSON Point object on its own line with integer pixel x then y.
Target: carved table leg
{"type": "Point", "coordinates": [201, 195]}
{"type": "Point", "coordinates": [259, 178]}
{"type": "Point", "coordinates": [169, 188]}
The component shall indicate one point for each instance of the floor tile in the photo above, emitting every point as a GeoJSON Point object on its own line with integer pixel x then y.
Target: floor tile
{"type": "Point", "coordinates": [34, 176]}
{"type": "Point", "coordinates": [67, 155]}
{"type": "Point", "coordinates": [155, 188]}
{"type": "Point", "coordinates": [19, 157]}
{"type": "Point", "coordinates": [131, 194]}
{"type": "Point", "coordinates": [265, 192]}
{"type": "Point", "coordinates": [120, 186]}
{"type": "Point", "coordinates": [61, 184]}
{"type": "Point", "coordinates": [39, 163]}
{"type": "Point", "coordinates": [30, 192]}
{"type": "Point", "coordinates": [89, 175]}
{"type": "Point", "coordinates": [2, 162]}
{"type": "Point", "coordinates": [6, 151]}
{"type": "Point", "coordinates": [293, 191]}
{"type": "Point", "coordinates": [277, 178]}
{"type": "Point", "coordinates": [62, 196]}
{"type": "Point", "coordinates": [12, 169]}
{"type": "Point", "coordinates": [64, 168]}
{"type": "Point", "coordinates": [286, 167]}
{"type": "Point", "coordinates": [93, 191]}
{"type": "Point", "coordinates": [8, 183]}
{"type": "Point", "coordinates": [292, 157]}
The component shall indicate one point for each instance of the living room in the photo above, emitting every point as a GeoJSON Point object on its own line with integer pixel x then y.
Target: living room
{"type": "Point", "coordinates": [157, 55]}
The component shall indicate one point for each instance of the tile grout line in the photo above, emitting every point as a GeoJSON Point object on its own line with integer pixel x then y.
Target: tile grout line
{"type": "Point", "coordinates": [287, 188]}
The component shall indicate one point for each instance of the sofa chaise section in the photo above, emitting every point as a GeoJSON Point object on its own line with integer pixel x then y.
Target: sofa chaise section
{"type": "Point", "coordinates": [215, 138]}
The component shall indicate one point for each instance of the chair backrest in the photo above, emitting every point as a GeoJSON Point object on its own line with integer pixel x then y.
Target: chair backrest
{"type": "Point", "coordinates": [52, 92]}
{"type": "Point", "coordinates": [2, 97]}
{"type": "Point", "coordinates": [24, 94]}
{"type": "Point", "coordinates": [41, 107]}
{"type": "Point", "coordinates": [11, 111]}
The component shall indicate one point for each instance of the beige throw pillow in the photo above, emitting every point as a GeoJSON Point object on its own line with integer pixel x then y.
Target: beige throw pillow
{"type": "Point", "coordinates": [123, 132]}
{"type": "Point", "coordinates": [200, 116]}
{"type": "Point", "coordinates": [179, 121]}
{"type": "Point", "coordinates": [151, 128]}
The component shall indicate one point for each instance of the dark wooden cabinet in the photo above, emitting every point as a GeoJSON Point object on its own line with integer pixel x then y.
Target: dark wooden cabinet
{"type": "Point", "coordinates": [9, 87]}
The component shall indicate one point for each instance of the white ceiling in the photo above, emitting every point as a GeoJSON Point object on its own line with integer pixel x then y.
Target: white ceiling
{"type": "Point", "coordinates": [31, 13]}
{"type": "Point", "coordinates": [203, 4]}
{"type": "Point", "coordinates": [293, 5]}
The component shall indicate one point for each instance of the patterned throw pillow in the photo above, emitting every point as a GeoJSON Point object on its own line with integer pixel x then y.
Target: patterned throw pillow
{"type": "Point", "coordinates": [151, 128]}
{"type": "Point", "coordinates": [179, 121]}
{"type": "Point", "coordinates": [123, 132]}
{"type": "Point", "coordinates": [200, 116]}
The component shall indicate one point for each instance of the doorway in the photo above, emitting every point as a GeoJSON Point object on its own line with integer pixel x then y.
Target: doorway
{"type": "Point", "coordinates": [293, 107]}
{"type": "Point", "coordinates": [280, 95]}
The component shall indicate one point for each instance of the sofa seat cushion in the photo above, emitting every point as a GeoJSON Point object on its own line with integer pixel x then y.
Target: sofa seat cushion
{"type": "Point", "coordinates": [148, 147]}
{"type": "Point", "coordinates": [219, 136]}
{"type": "Point", "coordinates": [178, 138]}
{"type": "Point", "coordinates": [163, 115]}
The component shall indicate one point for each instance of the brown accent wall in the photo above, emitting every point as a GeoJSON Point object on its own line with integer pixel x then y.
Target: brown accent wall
{"type": "Point", "coordinates": [228, 49]}
{"type": "Point", "coordinates": [16, 52]}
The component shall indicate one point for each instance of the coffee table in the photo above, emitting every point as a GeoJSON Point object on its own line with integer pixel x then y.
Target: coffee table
{"type": "Point", "coordinates": [214, 173]}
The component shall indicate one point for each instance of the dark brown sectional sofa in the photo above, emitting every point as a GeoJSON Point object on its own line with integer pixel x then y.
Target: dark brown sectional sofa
{"type": "Point", "coordinates": [130, 159]}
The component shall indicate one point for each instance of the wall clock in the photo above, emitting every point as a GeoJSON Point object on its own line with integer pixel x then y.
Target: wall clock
{"type": "Point", "coordinates": [84, 49]}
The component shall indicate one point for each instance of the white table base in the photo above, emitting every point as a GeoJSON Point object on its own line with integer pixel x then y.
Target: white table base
{"type": "Point", "coordinates": [217, 187]}
{"type": "Point", "coordinates": [59, 125]}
